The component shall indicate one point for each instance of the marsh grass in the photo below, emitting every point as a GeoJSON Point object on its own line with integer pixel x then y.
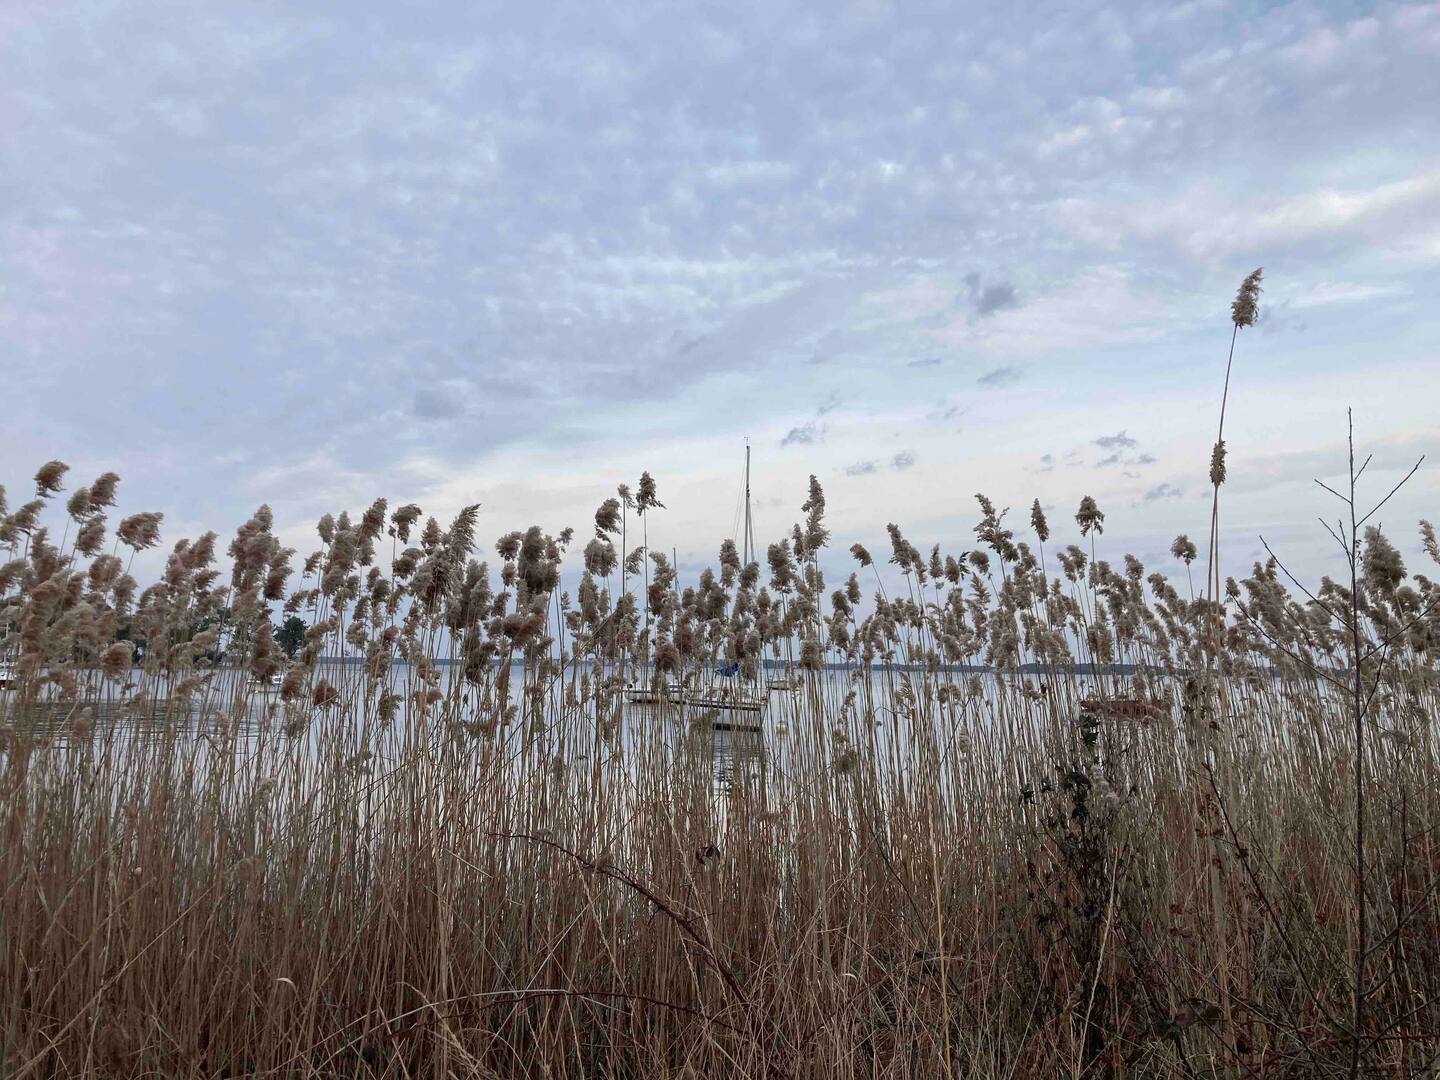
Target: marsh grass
{"type": "Point", "coordinates": [447, 845]}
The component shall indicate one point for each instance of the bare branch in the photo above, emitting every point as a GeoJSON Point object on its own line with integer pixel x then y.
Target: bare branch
{"type": "Point", "coordinates": [1332, 491]}
{"type": "Point", "coordinates": [1404, 480]}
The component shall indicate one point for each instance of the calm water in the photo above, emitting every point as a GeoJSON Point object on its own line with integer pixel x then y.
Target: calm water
{"type": "Point", "coordinates": [245, 723]}
{"type": "Point", "coordinates": [242, 721]}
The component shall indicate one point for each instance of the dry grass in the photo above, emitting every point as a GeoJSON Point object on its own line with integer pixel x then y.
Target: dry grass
{"type": "Point", "coordinates": [461, 852]}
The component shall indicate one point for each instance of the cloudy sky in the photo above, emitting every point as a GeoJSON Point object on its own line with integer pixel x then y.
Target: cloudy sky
{"type": "Point", "coordinates": [310, 253]}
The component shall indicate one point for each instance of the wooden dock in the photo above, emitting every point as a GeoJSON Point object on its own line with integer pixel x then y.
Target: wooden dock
{"type": "Point", "coordinates": [640, 695]}
{"type": "Point", "coordinates": [723, 725]}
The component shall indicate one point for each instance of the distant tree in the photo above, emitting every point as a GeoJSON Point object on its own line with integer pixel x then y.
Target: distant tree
{"type": "Point", "coordinates": [220, 620]}
{"type": "Point", "coordinates": [290, 635]}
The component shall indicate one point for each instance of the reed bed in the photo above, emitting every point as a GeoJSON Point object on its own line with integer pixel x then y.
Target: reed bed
{"type": "Point", "coordinates": [1157, 835]}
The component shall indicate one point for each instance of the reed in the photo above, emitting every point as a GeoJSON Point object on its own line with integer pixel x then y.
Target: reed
{"type": "Point", "coordinates": [1010, 823]}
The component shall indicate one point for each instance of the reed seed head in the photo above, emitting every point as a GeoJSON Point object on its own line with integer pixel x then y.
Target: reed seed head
{"type": "Point", "coordinates": [140, 531]}
{"type": "Point", "coordinates": [607, 518]}
{"type": "Point", "coordinates": [1038, 522]}
{"type": "Point", "coordinates": [1089, 516]}
{"type": "Point", "coordinates": [1245, 306]}
{"type": "Point", "coordinates": [102, 491]}
{"type": "Point", "coordinates": [1184, 549]}
{"type": "Point", "coordinates": [1217, 464]}
{"type": "Point", "coordinates": [48, 478]}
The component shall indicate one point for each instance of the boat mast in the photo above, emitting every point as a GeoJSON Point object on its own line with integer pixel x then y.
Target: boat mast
{"type": "Point", "coordinates": [748, 541]}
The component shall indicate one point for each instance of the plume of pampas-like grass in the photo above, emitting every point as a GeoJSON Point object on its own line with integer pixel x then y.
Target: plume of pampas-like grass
{"type": "Point", "coordinates": [600, 558]}
{"type": "Point", "coordinates": [1184, 549]}
{"type": "Point", "coordinates": [1217, 464]}
{"type": "Point", "coordinates": [1038, 522]}
{"type": "Point", "coordinates": [607, 518]}
{"type": "Point", "coordinates": [116, 659]}
{"type": "Point", "coordinates": [48, 478]}
{"type": "Point", "coordinates": [102, 491]}
{"type": "Point", "coordinates": [1089, 516]}
{"type": "Point", "coordinates": [402, 520]}
{"type": "Point", "coordinates": [645, 496]}
{"type": "Point", "coordinates": [1245, 306]}
{"type": "Point", "coordinates": [140, 531]}
{"type": "Point", "coordinates": [79, 506]}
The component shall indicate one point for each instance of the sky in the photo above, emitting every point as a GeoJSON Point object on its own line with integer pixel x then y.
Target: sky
{"type": "Point", "coordinates": [309, 254]}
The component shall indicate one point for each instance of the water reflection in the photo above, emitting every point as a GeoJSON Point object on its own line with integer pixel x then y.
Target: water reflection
{"type": "Point", "coordinates": [738, 757]}
{"type": "Point", "coordinates": [734, 740]}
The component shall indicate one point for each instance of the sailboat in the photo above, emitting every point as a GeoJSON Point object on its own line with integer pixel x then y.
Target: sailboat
{"type": "Point", "coordinates": [772, 685]}
{"type": "Point", "coordinates": [714, 695]}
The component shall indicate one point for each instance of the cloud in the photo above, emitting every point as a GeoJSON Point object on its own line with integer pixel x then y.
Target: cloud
{"type": "Point", "coordinates": [434, 405]}
{"type": "Point", "coordinates": [829, 405]}
{"type": "Point", "coordinates": [1162, 492]}
{"type": "Point", "coordinates": [806, 433]}
{"type": "Point", "coordinates": [1047, 464]}
{"type": "Point", "coordinates": [1210, 225]}
{"type": "Point", "coordinates": [1118, 441]}
{"type": "Point", "coordinates": [996, 297]}
{"type": "Point", "coordinates": [901, 461]}
{"type": "Point", "coordinates": [635, 248]}
{"type": "Point", "coordinates": [1000, 376]}
{"type": "Point", "coordinates": [1120, 444]}
{"type": "Point", "coordinates": [945, 413]}
{"type": "Point", "coordinates": [1280, 317]}
{"type": "Point", "coordinates": [986, 299]}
